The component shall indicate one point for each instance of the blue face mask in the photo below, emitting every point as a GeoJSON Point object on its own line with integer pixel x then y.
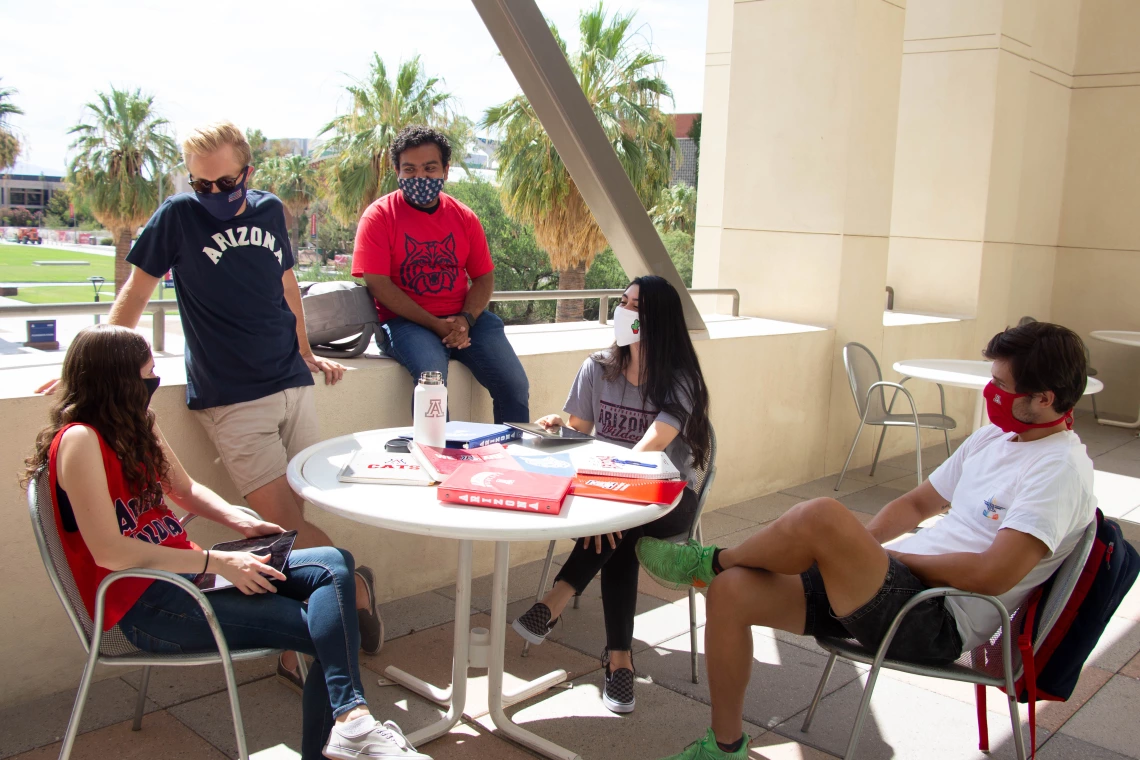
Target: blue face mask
{"type": "Point", "coordinates": [422, 191]}
{"type": "Point", "coordinates": [224, 206]}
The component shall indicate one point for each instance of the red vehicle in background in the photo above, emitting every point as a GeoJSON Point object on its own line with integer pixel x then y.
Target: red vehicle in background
{"type": "Point", "coordinates": [29, 235]}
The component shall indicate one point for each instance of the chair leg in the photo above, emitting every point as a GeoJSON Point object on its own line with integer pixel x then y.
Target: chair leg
{"type": "Point", "coordinates": [1015, 721]}
{"type": "Point", "coordinates": [861, 716]}
{"type": "Point", "coordinates": [1096, 415]}
{"type": "Point", "coordinates": [302, 667]}
{"type": "Point", "coordinates": [850, 454]}
{"type": "Point", "coordinates": [918, 451]}
{"type": "Point", "coordinates": [947, 434]}
{"type": "Point", "coordinates": [818, 693]}
{"type": "Point", "coordinates": [77, 710]}
{"type": "Point", "coordinates": [140, 702]}
{"type": "Point", "coordinates": [693, 633]}
{"type": "Point", "coordinates": [878, 450]}
{"type": "Point", "coordinates": [541, 586]}
{"type": "Point", "coordinates": [576, 598]}
{"type": "Point", "coordinates": [235, 706]}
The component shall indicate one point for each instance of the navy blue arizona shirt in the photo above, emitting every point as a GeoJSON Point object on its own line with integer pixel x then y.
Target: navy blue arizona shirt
{"type": "Point", "coordinates": [241, 336]}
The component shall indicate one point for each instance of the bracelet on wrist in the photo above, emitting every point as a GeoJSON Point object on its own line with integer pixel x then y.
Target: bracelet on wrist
{"type": "Point", "coordinates": [206, 566]}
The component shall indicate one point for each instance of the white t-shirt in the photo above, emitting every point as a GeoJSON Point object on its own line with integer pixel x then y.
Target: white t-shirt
{"type": "Point", "coordinates": [1043, 488]}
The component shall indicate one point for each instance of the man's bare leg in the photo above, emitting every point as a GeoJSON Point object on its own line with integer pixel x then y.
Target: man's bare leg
{"type": "Point", "coordinates": [760, 585]}
{"type": "Point", "coordinates": [737, 600]}
{"type": "Point", "coordinates": [824, 532]}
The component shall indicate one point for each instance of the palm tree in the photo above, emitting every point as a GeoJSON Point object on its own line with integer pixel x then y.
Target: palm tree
{"type": "Point", "coordinates": [357, 165]}
{"type": "Point", "coordinates": [621, 80]}
{"type": "Point", "coordinates": [123, 147]}
{"type": "Point", "coordinates": [293, 179]}
{"type": "Point", "coordinates": [676, 209]}
{"type": "Point", "coordinates": [9, 143]}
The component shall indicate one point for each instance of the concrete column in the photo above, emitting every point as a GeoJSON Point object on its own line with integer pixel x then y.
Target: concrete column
{"type": "Point", "coordinates": [980, 162]}
{"type": "Point", "coordinates": [802, 142]}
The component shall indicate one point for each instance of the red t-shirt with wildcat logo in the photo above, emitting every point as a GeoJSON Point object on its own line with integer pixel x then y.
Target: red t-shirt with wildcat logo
{"type": "Point", "coordinates": [429, 255]}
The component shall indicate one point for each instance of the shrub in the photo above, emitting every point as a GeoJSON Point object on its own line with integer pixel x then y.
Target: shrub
{"type": "Point", "coordinates": [106, 241]}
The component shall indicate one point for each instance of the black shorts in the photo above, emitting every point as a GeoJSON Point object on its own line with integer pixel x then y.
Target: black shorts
{"type": "Point", "coordinates": [928, 634]}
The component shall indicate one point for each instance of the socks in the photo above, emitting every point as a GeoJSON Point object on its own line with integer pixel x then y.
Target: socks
{"type": "Point", "coordinates": [716, 568]}
{"type": "Point", "coordinates": [732, 748]}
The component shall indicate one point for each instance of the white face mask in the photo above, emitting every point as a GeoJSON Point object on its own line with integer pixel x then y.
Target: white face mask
{"type": "Point", "coordinates": [627, 326]}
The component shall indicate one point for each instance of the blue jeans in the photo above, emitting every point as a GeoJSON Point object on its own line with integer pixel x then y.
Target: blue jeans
{"type": "Point", "coordinates": [166, 619]}
{"type": "Point", "coordinates": [490, 358]}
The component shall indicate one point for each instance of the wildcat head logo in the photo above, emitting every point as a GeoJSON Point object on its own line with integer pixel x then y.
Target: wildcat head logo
{"type": "Point", "coordinates": [992, 510]}
{"type": "Point", "coordinates": [429, 267]}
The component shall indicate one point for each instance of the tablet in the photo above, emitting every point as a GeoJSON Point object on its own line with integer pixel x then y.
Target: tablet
{"type": "Point", "coordinates": [563, 433]}
{"type": "Point", "coordinates": [277, 546]}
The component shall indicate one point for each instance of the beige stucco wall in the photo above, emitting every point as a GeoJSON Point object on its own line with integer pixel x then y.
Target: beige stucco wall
{"type": "Point", "coordinates": [1098, 260]}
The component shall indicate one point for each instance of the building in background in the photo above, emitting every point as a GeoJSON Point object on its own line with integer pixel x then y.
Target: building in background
{"type": "Point", "coordinates": [685, 158]}
{"type": "Point", "coordinates": [29, 186]}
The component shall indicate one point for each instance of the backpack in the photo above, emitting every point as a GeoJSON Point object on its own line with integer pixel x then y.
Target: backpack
{"type": "Point", "coordinates": [340, 318]}
{"type": "Point", "coordinates": [1052, 671]}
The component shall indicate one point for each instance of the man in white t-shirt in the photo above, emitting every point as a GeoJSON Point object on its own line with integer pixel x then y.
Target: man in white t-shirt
{"type": "Point", "coordinates": [1019, 492]}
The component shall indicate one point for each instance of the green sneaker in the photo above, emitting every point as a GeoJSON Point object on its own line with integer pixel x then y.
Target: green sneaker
{"type": "Point", "coordinates": [676, 566]}
{"type": "Point", "coordinates": [707, 749]}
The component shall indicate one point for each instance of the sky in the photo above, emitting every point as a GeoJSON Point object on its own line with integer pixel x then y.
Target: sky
{"type": "Point", "coordinates": [280, 67]}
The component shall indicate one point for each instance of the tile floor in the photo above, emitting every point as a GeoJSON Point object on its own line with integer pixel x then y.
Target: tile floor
{"type": "Point", "coordinates": [912, 717]}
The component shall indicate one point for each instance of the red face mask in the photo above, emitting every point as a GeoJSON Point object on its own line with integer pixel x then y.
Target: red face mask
{"type": "Point", "coordinates": [999, 407]}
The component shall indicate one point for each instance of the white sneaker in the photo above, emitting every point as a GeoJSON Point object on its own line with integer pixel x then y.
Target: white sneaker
{"type": "Point", "coordinates": [369, 738]}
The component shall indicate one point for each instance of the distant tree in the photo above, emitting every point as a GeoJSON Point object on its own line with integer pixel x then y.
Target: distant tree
{"type": "Point", "coordinates": [122, 144]}
{"type": "Point", "coordinates": [520, 264]}
{"type": "Point", "coordinates": [622, 81]}
{"type": "Point", "coordinates": [259, 148]}
{"type": "Point", "coordinates": [294, 180]}
{"type": "Point", "coordinates": [357, 165]}
{"type": "Point", "coordinates": [334, 237]}
{"type": "Point", "coordinates": [9, 143]}
{"type": "Point", "coordinates": [607, 272]}
{"type": "Point", "coordinates": [676, 209]}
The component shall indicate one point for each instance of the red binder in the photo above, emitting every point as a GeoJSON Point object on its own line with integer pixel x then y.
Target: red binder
{"type": "Point", "coordinates": [623, 489]}
{"type": "Point", "coordinates": [477, 485]}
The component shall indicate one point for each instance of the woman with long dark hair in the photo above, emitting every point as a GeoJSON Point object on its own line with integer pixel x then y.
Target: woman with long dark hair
{"type": "Point", "coordinates": [111, 470]}
{"type": "Point", "coordinates": [646, 393]}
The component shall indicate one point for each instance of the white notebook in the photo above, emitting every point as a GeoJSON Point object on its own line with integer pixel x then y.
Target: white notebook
{"type": "Point", "coordinates": [383, 467]}
{"type": "Point", "coordinates": [638, 465]}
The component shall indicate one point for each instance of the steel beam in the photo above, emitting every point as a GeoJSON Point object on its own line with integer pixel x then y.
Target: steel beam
{"type": "Point", "coordinates": [524, 39]}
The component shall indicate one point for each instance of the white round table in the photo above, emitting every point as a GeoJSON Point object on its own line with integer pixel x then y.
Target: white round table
{"type": "Point", "coordinates": [415, 509]}
{"type": "Point", "coordinates": [964, 373]}
{"type": "Point", "coordinates": [1122, 338]}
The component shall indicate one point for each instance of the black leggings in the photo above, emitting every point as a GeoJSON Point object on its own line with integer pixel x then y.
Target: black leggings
{"type": "Point", "coordinates": [619, 568]}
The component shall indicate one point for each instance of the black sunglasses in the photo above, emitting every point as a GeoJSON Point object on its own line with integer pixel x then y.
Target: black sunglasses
{"type": "Point", "coordinates": [225, 184]}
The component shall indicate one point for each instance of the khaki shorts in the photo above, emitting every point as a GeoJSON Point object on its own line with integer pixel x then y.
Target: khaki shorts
{"type": "Point", "coordinates": [256, 439]}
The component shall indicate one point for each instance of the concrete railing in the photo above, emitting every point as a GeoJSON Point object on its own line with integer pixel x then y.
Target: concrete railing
{"type": "Point", "coordinates": [158, 308]}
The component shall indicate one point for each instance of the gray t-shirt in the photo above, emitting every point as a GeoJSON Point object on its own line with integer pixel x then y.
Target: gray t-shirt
{"type": "Point", "coordinates": [620, 414]}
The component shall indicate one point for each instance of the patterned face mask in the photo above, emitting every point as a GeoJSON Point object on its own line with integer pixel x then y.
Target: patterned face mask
{"type": "Point", "coordinates": [422, 191]}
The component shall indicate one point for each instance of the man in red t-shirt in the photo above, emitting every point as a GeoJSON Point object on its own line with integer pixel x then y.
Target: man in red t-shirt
{"type": "Point", "coordinates": [416, 248]}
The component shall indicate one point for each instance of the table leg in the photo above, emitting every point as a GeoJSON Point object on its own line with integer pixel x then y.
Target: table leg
{"type": "Point", "coordinates": [497, 699]}
{"type": "Point", "coordinates": [1120, 423]}
{"type": "Point", "coordinates": [455, 696]}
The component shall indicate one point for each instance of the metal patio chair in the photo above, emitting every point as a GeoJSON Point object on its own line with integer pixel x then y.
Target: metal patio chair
{"type": "Point", "coordinates": [705, 477]}
{"type": "Point", "coordinates": [867, 384]}
{"type": "Point", "coordinates": [996, 663]}
{"type": "Point", "coordinates": [112, 647]}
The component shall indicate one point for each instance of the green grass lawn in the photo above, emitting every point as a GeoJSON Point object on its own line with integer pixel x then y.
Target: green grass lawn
{"type": "Point", "coordinates": [66, 294]}
{"type": "Point", "coordinates": [16, 265]}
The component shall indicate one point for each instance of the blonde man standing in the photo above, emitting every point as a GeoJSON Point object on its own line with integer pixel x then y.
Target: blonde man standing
{"type": "Point", "coordinates": [248, 361]}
